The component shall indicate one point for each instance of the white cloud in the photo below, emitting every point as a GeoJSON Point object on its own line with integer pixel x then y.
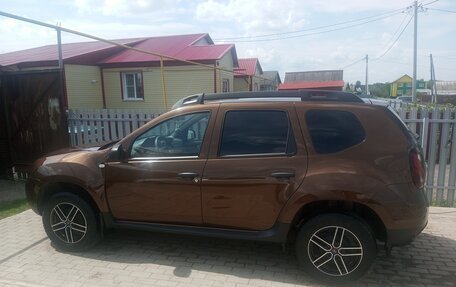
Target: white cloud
{"type": "Point", "coordinates": [254, 16]}
{"type": "Point", "coordinates": [336, 6]}
{"type": "Point", "coordinates": [19, 35]}
{"type": "Point", "coordinates": [234, 18]}
{"type": "Point", "coordinates": [127, 8]}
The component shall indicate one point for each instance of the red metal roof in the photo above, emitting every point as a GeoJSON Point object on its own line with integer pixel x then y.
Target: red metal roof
{"type": "Point", "coordinates": [311, 85]}
{"type": "Point", "coordinates": [193, 47]}
{"type": "Point", "coordinates": [175, 46]}
{"type": "Point", "coordinates": [50, 52]}
{"type": "Point", "coordinates": [247, 67]}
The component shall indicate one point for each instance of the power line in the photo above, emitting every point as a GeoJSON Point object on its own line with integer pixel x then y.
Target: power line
{"type": "Point", "coordinates": [442, 10]}
{"type": "Point", "coordinates": [395, 41]}
{"type": "Point", "coordinates": [397, 31]}
{"type": "Point", "coordinates": [421, 66]}
{"type": "Point", "coordinates": [429, 3]}
{"type": "Point", "coordinates": [319, 32]}
{"type": "Point", "coordinates": [310, 29]}
{"type": "Point", "coordinates": [355, 62]}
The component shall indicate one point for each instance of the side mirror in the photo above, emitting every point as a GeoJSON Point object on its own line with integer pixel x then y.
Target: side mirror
{"type": "Point", "coordinates": [117, 153]}
{"type": "Point", "coordinates": [191, 134]}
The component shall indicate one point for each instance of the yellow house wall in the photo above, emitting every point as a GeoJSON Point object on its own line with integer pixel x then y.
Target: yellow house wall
{"type": "Point", "coordinates": [180, 81]}
{"type": "Point", "coordinates": [83, 86]}
{"type": "Point", "coordinates": [226, 62]}
{"type": "Point", "coordinates": [256, 80]}
{"type": "Point", "coordinates": [241, 84]}
{"type": "Point", "coordinates": [404, 79]}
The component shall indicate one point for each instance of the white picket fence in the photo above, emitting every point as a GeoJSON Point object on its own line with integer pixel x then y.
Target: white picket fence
{"type": "Point", "coordinates": [435, 127]}
{"type": "Point", "coordinates": [94, 127]}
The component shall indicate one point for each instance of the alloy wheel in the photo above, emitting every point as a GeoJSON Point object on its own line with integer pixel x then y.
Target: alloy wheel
{"type": "Point", "coordinates": [335, 250]}
{"type": "Point", "coordinates": [68, 222]}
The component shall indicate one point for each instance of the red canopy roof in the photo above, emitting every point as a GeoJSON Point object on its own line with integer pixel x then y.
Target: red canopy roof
{"type": "Point", "coordinates": [311, 85]}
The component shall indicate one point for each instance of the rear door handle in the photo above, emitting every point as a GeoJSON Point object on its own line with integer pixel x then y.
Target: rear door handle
{"type": "Point", "coordinates": [283, 174]}
{"type": "Point", "coordinates": [188, 175]}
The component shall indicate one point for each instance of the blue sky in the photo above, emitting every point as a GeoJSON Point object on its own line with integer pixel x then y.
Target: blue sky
{"type": "Point", "coordinates": [236, 18]}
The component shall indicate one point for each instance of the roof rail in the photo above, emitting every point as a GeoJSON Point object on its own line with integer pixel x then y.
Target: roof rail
{"type": "Point", "coordinates": [305, 95]}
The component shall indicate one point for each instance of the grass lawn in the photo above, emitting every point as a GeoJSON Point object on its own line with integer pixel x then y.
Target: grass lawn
{"type": "Point", "coordinates": [13, 207]}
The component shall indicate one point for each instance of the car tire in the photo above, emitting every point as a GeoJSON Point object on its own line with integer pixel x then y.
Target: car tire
{"type": "Point", "coordinates": [70, 222]}
{"type": "Point", "coordinates": [335, 248]}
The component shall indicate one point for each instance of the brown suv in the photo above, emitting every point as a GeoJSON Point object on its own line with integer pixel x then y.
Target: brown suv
{"type": "Point", "coordinates": [321, 169]}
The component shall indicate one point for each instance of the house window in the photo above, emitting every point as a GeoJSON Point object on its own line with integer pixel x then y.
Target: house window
{"type": "Point", "coordinates": [226, 86]}
{"type": "Point", "coordinates": [409, 85]}
{"type": "Point", "coordinates": [132, 86]}
{"type": "Point", "coordinates": [400, 85]}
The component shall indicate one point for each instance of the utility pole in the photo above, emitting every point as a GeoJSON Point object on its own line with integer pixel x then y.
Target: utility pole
{"type": "Point", "coordinates": [433, 86]}
{"type": "Point", "coordinates": [367, 75]}
{"type": "Point", "coordinates": [415, 36]}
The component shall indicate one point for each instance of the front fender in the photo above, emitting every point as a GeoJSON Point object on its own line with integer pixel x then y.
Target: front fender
{"type": "Point", "coordinates": [79, 169]}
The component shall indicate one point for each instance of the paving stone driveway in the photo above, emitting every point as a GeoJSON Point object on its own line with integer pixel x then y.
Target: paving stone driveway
{"type": "Point", "coordinates": [128, 258]}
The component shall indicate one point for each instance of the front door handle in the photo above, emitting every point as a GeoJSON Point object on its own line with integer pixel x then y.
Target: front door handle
{"type": "Point", "coordinates": [188, 175]}
{"type": "Point", "coordinates": [283, 174]}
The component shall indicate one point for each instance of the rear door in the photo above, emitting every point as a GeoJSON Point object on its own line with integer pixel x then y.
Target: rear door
{"type": "Point", "coordinates": [257, 160]}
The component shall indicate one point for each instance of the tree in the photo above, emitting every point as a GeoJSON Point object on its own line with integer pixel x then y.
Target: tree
{"type": "Point", "coordinates": [358, 89]}
{"type": "Point", "coordinates": [380, 90]}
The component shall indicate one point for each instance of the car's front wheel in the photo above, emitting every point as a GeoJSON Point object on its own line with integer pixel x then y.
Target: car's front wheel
{"type": "Point", "coordinates": [335, 248]}
{"type": "Point", "coordinates": [70, 222]}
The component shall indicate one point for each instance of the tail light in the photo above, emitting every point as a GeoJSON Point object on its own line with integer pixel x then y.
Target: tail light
{"type": "Point", "coordinates": [417, 168]}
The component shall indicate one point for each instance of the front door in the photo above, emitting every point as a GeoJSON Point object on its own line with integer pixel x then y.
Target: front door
{"type": "Point", "coordinates": [258, 164]}
{"type": "Point", "coordinates": [160, 181]}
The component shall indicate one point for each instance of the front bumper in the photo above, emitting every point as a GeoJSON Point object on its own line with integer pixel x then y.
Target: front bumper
{"type": "Point", "coordinates": [31, 192]}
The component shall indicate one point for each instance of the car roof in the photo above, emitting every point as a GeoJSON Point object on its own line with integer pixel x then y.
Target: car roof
{"type": "Point", "coordinates": [271, 96]}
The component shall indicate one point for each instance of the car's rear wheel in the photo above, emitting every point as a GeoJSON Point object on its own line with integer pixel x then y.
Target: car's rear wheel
{"type": "Point", "coordinates": [335, 248]}
{"type": "Point", "coordinates": [70, 222]}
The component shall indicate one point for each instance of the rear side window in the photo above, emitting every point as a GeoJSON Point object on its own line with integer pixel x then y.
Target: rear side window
{"type": "Point", "coordinates": [250, 132]}
{"type": "Point", "coordinates": [333, 131]}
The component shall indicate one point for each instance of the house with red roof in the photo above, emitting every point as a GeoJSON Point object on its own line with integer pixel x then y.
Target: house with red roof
{"type": "Point", "coordinates": [247, 75]}
{"type": "Point", "coordinates": [324, 80]}
{"type": "Point", "coordinates": [101, 75]}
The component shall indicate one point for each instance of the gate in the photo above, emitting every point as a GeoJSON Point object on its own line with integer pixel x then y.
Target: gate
{"type": "Point", "coordinates": [33, 117]}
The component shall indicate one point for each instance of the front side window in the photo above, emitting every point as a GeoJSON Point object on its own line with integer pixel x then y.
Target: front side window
{"type": "Point", "coordinates": [132, 86]}
{"type": "Point", "coordinates": [178, 136]}
{"type": "Point", "coordinates": [332, 131]}
{"type": "Point", "coordinates": [250, 132]}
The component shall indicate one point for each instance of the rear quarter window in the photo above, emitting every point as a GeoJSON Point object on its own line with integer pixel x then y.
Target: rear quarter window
{"type": "Point", "coordinates": [333, 130]}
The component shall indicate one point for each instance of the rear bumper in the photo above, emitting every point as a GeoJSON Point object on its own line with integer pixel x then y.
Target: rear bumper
{"type": "Point", "coordinates": [399, 237]}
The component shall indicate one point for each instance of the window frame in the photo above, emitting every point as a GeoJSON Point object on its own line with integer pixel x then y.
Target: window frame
{"type": "Point", "coordinates": [227, 82]}
{"type": "Point", "coordinates": [209, 112]}
{"type": "Point", "coordinates": [256, 155]}
{"type": "Point", "coordinates": [123, 86]}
